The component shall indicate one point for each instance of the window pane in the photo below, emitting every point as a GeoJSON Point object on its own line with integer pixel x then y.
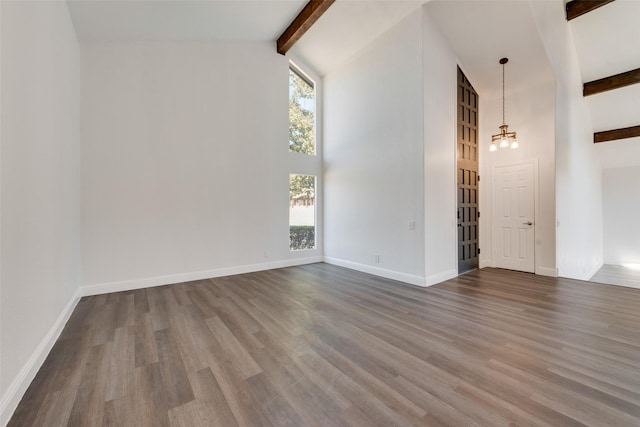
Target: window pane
{"type": "Point", "coordinates": [302, 117]}
{"type": "Point", "coordinates": [302, 212]}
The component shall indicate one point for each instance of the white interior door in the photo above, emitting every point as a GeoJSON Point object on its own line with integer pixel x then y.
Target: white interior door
{"type": "Point", "coordinates": [513, 218]}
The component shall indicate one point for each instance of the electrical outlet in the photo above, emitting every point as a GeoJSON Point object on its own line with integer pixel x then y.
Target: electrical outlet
{"type": "Point", "coordinates": [412, 225]}
{"type": "Point", "coordinates": [376, 259]}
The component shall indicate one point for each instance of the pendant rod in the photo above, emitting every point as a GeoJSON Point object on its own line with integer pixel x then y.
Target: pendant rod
{"type": "Point", "coordinates": [502, 62]}
{"type": "Point", "coordinates": [503, 121]}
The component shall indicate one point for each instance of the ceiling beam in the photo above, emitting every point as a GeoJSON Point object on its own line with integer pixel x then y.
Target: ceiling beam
{"type": "Point", "coordinates": [611, 82]}
{"type": "Point", "coordinates": [577, 8]}
{"type": "Point", "coordinates": [611, 135]}
{"type": "Point", "coordinates": [305, 19]}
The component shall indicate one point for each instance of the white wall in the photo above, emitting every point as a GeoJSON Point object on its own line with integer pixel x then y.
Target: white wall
{"type": "Point", "coordinates": [578, 169]}
{"type": "Point", "coordinates": [530, 113]}
{"type": "Point", "coordinates": [40, 193]}
{"type": "Point", "coordinates": [439, 76]}
{"type": "Point", "coordinates": [185, 169]}
{"type": "Point", "coordinates": [621, 204]}
{"type": "Point", "coordinates": [373, 151]}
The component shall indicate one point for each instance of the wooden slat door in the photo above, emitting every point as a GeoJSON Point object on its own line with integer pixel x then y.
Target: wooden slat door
{"type": "Point", "coordinates": [467, 175]}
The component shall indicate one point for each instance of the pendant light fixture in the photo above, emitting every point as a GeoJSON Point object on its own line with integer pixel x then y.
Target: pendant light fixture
{"type": "Point", "coordinates": [505, 138]}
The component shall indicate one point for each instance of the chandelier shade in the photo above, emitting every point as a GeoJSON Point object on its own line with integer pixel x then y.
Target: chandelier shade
{"type": "Point", "coordinates": [503, 139]}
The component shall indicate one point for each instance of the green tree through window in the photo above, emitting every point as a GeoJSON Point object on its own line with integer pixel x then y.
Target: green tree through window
{"type": "Point", "coordinates": [302, 223]}
{"type": "Point", "coordinates": [301, 114]}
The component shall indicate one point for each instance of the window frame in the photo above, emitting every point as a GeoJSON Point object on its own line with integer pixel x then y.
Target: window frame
{"type": "Point", "coordinates": [296, 69]}
{"type": "Point", "coordinates": [315, 212]}
{"type": "Point", "coordinates": [307, 164]}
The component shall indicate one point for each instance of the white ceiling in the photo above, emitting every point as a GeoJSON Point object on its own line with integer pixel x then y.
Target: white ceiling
{"type": "Point", "coordinates": [607, 41]}
{"type": "Point", "coordinates": [482, 32]}
{"type": "Point", "coordinates": [615, 109]}
{"type": "Point", "coordinates": [622, 153]}
{"type": "Point", "coordinates": [347, 27]}
{"type": "Point", "coordinates": [182, 20]}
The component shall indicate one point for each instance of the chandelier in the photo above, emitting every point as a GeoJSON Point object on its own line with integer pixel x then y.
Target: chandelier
{"type": "Point", "coordinates": [505, 138]}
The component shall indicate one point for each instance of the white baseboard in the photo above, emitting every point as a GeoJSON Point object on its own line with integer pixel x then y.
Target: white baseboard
{"type": "Point", "coordinates": [128, 285]}
{"type": "Point", "coordinates": [594, 270]}
{"type": "Point", "coordinates": [377, 271]}
{"type": "Point", "coordinates": [440, 277]}
{"type": "Point", "coordinates": [19, 385]}
{"type": "Point", "coordinates": [487, 262]}
{"type": "Point", "coordinates": [546, 271]}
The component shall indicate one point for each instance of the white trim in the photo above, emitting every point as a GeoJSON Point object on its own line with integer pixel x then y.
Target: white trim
{"type": "Point", "coordinates": [377, 271]}
{"type": "Point", "coordinates": [127, 285]}
{"type": "Point", "coordinates": [440, 277]}
{"type": "Point", "coordinates": [546, 271]}
{"type": "Point", "coordinates": [19, 385]}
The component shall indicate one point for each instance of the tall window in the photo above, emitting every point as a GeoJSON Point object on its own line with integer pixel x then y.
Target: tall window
{"type": "Point", "coordinates": [302, 140]}
{"type": "Point", "coordinates": [302, 113]}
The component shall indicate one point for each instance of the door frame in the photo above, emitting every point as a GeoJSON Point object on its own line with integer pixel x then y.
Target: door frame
{"type": "Point", "coordinates": [536, 208]}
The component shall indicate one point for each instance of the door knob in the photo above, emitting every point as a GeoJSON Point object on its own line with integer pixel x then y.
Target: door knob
{"type": "Point", "coordinates": [527, 223]}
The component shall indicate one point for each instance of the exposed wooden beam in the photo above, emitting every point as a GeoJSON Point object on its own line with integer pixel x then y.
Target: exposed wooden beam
{"type": "Point", "coordinates": [577, 8]}
{"type": "Point", "coordinates": [611, 82]}
{"type": "Point", "coordinates": [611, 135]}
{"type": "Point", "coordinates": [305, 19]}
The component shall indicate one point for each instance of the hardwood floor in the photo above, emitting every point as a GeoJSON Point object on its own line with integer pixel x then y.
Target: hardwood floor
{"type": "Point", "coordinates": [617, 275]}
{"type": "Point", "coordinates": [320, 345]}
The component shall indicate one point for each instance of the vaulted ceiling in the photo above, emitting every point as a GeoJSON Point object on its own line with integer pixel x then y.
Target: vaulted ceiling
{"type": "Point", "coordinates": [347, 27]}
{"type": "Point", "coordinates": [607, 41]}
{"type": "Point", "coordinates": [481, 32]}
{"type": "Point", "coordinates": [344, 29]}
{"type": "Point", "coordinates": [181, 20]}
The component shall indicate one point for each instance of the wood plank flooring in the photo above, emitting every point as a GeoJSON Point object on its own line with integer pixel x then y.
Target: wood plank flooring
{"type": "Point", "coordinates": [320, 345]}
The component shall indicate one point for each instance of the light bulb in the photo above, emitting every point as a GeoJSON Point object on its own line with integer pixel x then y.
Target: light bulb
{"type": "Point", "coordinates": [514, 144]}
{"type": "Point", "coordinates": [493, 147]}
{"type": "Point", "coordinates": [504, 143]}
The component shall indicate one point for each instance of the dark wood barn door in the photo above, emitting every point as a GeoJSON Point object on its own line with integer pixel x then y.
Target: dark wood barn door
{"type": "Point", "coordinates": [467, 175]}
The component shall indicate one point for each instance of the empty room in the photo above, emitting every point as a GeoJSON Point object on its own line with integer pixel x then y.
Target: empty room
{"type": "Point", "coordinates": [319, 213]}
